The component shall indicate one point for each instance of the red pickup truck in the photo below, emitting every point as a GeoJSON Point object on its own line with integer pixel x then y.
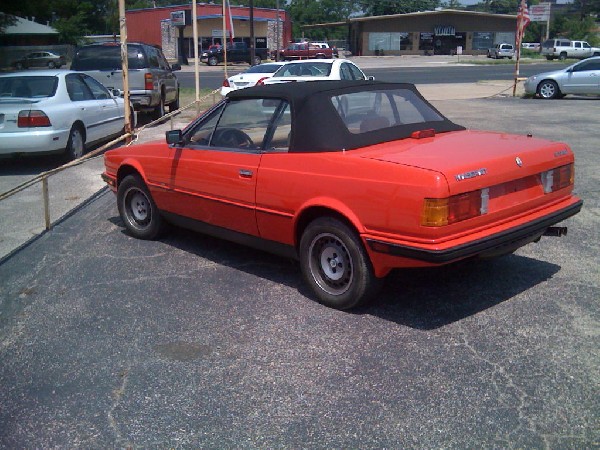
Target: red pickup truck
{"type": "Point", "coordinates": [305, 51]}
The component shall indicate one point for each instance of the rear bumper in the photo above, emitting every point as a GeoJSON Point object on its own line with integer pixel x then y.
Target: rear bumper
{"type": "Point", "coordinates": [512, 238]}
{"type": "Point", "coordinates": [42, 141]}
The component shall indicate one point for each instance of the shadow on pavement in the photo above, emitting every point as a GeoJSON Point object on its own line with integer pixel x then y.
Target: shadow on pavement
{"type": "Point", "coordinates": [425, 298]}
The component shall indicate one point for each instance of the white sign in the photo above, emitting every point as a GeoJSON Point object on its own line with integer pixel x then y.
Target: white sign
{"type": "Point", "coordinates": [178, 18]}
{"type": "Point", "coordinates": [459, 50]}
{"type": "Point", "coordinates": [540, 12]}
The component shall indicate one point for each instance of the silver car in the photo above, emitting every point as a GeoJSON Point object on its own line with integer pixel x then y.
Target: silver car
{"type": "Point", "coordinates": [580, 78]}
{"type": "Point", "coordinates": [56, 111]}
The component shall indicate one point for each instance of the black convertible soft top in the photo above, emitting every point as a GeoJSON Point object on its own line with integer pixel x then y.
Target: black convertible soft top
{"type": "Point", "coordinates": [318, 125]}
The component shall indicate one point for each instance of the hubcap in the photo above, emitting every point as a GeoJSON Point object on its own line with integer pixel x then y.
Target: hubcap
{"type": "Point", "coordinates": [76, 144]}
{"type": "Point", "coordinates": [139, 207]}
{"type": "Point", "coordinates": [547, 90]}
{"type": "Point", "coordinates": [330, 264]}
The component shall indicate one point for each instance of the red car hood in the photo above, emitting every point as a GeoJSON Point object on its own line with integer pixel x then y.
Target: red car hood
{"type": "Point", "coordinates": [474, 159]}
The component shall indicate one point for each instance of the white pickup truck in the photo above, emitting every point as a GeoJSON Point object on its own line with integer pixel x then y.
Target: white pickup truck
{"type": "Point", "coordinates": [564, 48]}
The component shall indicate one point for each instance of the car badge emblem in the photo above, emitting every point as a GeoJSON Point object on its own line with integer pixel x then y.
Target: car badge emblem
{"type": "Point", "coordinates": [519, 161]}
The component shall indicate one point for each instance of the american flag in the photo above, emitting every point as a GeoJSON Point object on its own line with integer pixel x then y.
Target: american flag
{"type": "Point", "coordinates": [229, 20]}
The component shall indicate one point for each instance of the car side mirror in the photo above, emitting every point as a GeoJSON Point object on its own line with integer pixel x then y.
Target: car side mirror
{"type": "Point", "coordinates": [175, 66]}
{"type": "Point", "coordinates": [174, 137]}
{"type": "Point", "coordinates": [371, 78]}
{"type": "Point", "coordinates": [117, 93]}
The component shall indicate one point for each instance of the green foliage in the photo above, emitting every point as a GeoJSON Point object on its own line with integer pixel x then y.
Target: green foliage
{"type": "Point", "coordinates": [306, 12]}
{"type": "Point", "coordinates": [497, 6]}
{"type": "Point", "coordinates": [385, 7]}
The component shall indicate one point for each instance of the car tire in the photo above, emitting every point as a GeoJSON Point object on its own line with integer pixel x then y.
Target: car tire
{"type": "Point", "coordinates": [335, 264]}
{"type": "Point", "coordinates": [548, 89]}
{"type": "Point", "coordinates": [257, 60]}
{"type": "Point", "coordinates": [562, 56]}
{"type": "Point", "coordinates": [138, 210]}
{"type": "Point", "coordinates": [213, 61]}
{"type": "Point", "coordinates": [174, 105]}
{"type": "Point", "coordinates": [19, 66]}
{"type": "Point", "coordinates": [75, 144]}
{"type": "Point", "coordinates": [159, 110]}
{"type": "Point", "coordinates": [51, 65]}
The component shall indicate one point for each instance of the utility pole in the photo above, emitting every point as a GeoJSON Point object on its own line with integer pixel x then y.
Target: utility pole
{"type": "Point", "coordinates": [125, 67]}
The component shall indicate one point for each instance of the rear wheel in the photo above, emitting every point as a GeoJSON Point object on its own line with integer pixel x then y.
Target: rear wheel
{"type": "Point", "coordinates": [335, 265]}
{"type": "Point", "coordinates": [75, 144]}
{"type": "Point", "coordinates": [257, 60]}
{"type": "Point", "coordinates": [51, 65]}
{"type": "Point", "coordinates": [562, 56]}
{"type": "Point", "coordinates": [548, 89]}
{"type": "Point", "coordinates": [174, 106]}
{"type": "Point", "coordinates": [213, 61]}
{"type": "Point", "coordinates": [137, 209]}
{"type": "Point", "coordinates": [159, 110]}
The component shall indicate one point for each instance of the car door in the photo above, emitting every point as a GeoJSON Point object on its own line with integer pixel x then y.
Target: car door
{"type": "Point", "coordinates": [583, 78]}
{"type": "Point", "coordinates": [213, 174]}
{"type": "Point", "coordinates": [112, 113]}
{"type": "Point", "coordinates": [89, 110]}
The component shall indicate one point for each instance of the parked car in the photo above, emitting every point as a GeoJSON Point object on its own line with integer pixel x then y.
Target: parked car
{"type": "Point", "coordinates": [317, 70]}
{"type": "Point", "coordinates": [531, 45]}
{"type": "Point", "coordinates": [353, 178]}
{"type": "Point", "coordinates": [254, 75]}
{"type": "Point", "coordinates": [580, 78]}
{"type": "Point", "coordinates": [40, 59]}
{"type": "Point", "coordinates": [152, 83]}
{"type": "Point", "coordinates": [501, 51]}
{"type": "Point", "coordinates": [564, 48]}
{"type": "Point", "coordinates": [236, 52]}
{"type": "Point", "coordinates": [54, 111]}
{"type": "Point", "coordinates": [305, 50]}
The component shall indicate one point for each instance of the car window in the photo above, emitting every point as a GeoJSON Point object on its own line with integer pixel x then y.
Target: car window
{"type": "Point", "coordinates": [577, 44]}
{"type": "Point", "coordinates": [28, 87]}
{"type": "Point", "coordinates": [345, 73]}
{"type": "Point", "coordinates": [98, 90]}
{"type": "Point", "coordinates": [587, 66]}
{"type": "Point", "coordinates": [367, 111]}
{"type": "Point", "coordinates": [313, 69]}
{"type": "Point", "coordinates": [152, 57]}
{"type": "Point", "coordinates": [279, 138]}
{"type": "Point", "coordinates": [78, 91]}
{"type": "Point", "coordinates": [107, 57]}
{"type": "Point", "coordinates": [356, 72]}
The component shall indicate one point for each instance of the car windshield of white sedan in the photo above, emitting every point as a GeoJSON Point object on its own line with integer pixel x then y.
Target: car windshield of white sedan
{"type": "Point", "coordinates": [28, 87]}
{"type": "Point", "coordinates": [367, 111]}
{"type": "Point", "coordinates": [263, 68]}
{"type": "Point", "coordinates": [312, 69]}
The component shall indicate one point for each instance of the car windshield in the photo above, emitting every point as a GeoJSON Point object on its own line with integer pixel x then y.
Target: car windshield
{"type": "Point", "coordinates": [312, 69]}
{"type": "Point", "coordinates": [367, 111]}
{"type": "Point", "coordinates": [264, 68]}
{"type": "Point", "coordinates": [107, 58]}
{"type": "Point", "coordinates": [28, 87]}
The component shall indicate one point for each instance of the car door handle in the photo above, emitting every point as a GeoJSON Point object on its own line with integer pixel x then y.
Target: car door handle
{"type": "Point", "coordinates": [244, 173]}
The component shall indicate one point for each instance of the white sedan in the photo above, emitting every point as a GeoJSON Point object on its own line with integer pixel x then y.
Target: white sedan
{"type": "Point", "coordinates": [56, 111]}
{"type": "Point", "coordinates": [582, 77]}
{"type": "Point", "coordinates": [317, 70]}
{"type": "Point", "coordinates": [252, 76]}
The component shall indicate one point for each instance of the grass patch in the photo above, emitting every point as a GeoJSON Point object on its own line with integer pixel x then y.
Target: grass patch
{"type": "Point", "coordinates": [188, 95]}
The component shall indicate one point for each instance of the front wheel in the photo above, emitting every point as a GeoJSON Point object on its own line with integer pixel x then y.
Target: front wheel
{"type": "Point", "coordinates": [335, 265]}
{"type": "Point", "coordinates": [213, 61]}
{"type": "Point", "coordinates": [137, 209]}
{"type": "Point", "coordinates": [257, 60]}
{"type": "Point", "coordinates": [548, 89]}
{"type": "Point", "coordinates": [562, 56]}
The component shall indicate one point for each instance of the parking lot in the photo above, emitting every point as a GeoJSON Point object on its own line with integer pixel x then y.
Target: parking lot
{"type": "Point", "coordinates": [108, 341]}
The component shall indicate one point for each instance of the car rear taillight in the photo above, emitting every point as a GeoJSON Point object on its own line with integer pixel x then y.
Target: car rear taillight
{"type": "Point", "coordinates": [558, 178]}
{"type": "Point", "coordinates": [438, 212]}
{"type": "Point", "coordinates": [226, 83]}
{"type": "Point", "coordinates": [148, 82]}
{"type": "Point", "coordinates": [33, 119]}
{"type": "Point", "coordinates": [261, 82]}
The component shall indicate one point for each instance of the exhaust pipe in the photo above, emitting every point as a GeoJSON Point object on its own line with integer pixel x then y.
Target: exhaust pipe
{"type": "Point", "coordinates": [556, 231]}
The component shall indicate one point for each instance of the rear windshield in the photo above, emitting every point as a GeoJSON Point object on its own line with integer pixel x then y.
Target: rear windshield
{"type": "Point", "coordinates": [264, 68]}
{"type": "Point", "coordinates": [107, 58]}
{"type": "Point", "coordinates": [305, 69]}
{"type": "Point", "coordinates": [28, 87]}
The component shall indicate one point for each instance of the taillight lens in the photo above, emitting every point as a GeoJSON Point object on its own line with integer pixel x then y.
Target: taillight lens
{"type": "Point", "coordinates": [558, 178]}
{"type": "Point", "coordinates": [261, 81]}
{"type": "Point", "coordinates": [33, 119]}
{"type": "Point", "coordinates": [226, 83]}
{"type": "Point", "coordinates": [438, 212]}
{"type": "Point", "coordinates": [148, 82]}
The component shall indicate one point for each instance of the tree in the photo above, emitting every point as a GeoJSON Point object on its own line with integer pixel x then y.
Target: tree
{"type": "Point", "coordinates": [307, 12]}
{"type": "Point", "coordinates": [386, 7]}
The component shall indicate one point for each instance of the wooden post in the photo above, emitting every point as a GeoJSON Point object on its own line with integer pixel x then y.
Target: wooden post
{"type": "Point", "coordinates": [46, 197]}
{"type": "Point", "coordinates": [125, 67]}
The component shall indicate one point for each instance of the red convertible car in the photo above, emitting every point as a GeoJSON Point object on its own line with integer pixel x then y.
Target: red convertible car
{"type": "Point", "coordinates": [353, 178]}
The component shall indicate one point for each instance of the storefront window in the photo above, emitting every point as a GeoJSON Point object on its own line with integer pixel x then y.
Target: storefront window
{"type": "Point", "coordinates": [482, 40]}
{"type": "Point", "coordinates": [389, 41]}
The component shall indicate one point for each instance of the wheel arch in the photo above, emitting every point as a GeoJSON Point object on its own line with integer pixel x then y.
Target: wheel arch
{"type": "Point", "coordinates": [558, 86]}
{"type": "Point", "coordinates": [79, 124]}
{"type": "Point", "coordinates": [314, 211]}
{"type": "Point", "coordinates": [129, 168]}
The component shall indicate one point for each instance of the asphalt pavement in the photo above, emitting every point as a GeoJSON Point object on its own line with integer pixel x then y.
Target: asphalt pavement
{"type": "Point", "coordinates": [193, 342]}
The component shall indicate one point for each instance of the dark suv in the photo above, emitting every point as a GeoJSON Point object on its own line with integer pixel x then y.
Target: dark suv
{"type": "Point", "coordinates": [152, 84]}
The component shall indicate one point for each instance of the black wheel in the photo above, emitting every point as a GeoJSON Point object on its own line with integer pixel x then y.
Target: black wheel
{"type": "Point", "coordinates": [174, 105]}
{"type": "Point", "coordinates": [19, 66]}
{"type": "Point", "coordinates": [159, 110]}
{"type": "Point", "coordinates": [137, 209]}
{"type": "Point", "coordinates": [213, 61]}
{"type": "Point", "coordinates": [75, 144]}
{"type": "Point", "coordinates": [51, 65]}
{"type": "Point", "coordinates": [548, 89]}
{"type": "Point", "coordinates": [257, 60]}
{"type": "Point", "coordinates": [562, 56]}
{"type": "Point", "coordinates": [335, 265]}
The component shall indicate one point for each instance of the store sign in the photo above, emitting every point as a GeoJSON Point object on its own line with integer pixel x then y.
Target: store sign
{"type": "Point", "coordinates": [540, 12]}
{"type": "Point", "coordinates": [178, 18]}
{"type": "Point", "coordinates": [444, 30]}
